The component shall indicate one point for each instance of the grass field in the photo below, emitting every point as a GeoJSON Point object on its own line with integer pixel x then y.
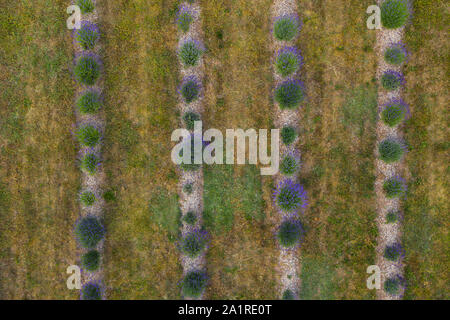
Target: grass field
{"type": "Point", "coordinates": [426, 208]}
{"type": "Point", "coordinates": [39, 179]}
{"type": "Point", "coordinates": [242, 254]}
{"type": "Point", "coordinates": [337, 143]}
{"type": "Point", "coordinates": [141, 257]}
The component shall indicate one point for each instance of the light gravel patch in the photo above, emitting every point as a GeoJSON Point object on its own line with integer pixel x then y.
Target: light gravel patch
{"type": "Point", "coordinates": [191, 202]}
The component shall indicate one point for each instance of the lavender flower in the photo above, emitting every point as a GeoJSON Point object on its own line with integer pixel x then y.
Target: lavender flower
{"type": "Point", "coordinates": [286, 27]}
{"type": "Point", "coordinates": [189, 89]}
{"type": "Point", "coordinates": [290, 94]}
{"type": "Point", "coordinates": [185, 16]}
{"type": "Point", "coordinates": [289, 196]}
{"type": "Point", "coordinates": [394, 112]}
{"type": "Point", "coordinates": [290, 233]}
{"type": "Point", "coordinates": [290, 163]}
{"type": "Point", "coordinates": [395, 53]}
{"type": "Point", "coordinates": [87, 68]}
{"type": "Point", "coordinates": [194, 283]}
{"type": "Point", "coordinates": [87, 35]}
{"type": "Point", "coordinates": [395, 286]}
{"type": "Point", "coordinates": [194, 243]}
{"type": "Point", "coordinates": [91, 291]}
{"type": "Point", "coordinates": [190, 52]}
{"type": "Point", "coordinates": [394, 187]}
{"type": "Point", "coordinates": [392, 80]}
{"type": "Point", "coordinates": [288, 61]}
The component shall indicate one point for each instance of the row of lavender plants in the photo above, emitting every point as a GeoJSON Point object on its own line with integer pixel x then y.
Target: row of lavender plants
{"type": "Point", "coordinates": [289, 196]}
{"type": "Point", "coordinates": [394, 15]}
{"type": "Point", "coordinates": [87, 70]}
{"type": "Point", "coordinates": [193, 242]}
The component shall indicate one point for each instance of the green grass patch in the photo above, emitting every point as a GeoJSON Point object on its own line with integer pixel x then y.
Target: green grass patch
{"type": "Point", "coordinates": [165, 212]}
{"type": "Point", "coordinates": [218, 198]}
{"type": "Point", "coordinates": [318, 278]}
{"type": "Point", "coordinates": [251, 191]}
{"type": "Point", "coordinates": [360, 109]}
{"type": "Point", "coordinates": [226, 191]}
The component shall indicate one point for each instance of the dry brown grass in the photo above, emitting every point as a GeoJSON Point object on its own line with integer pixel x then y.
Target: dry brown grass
{"type": "Point", "coordinates": [426, 208]}
{"type": "Point", "coordinates": [140, 86]}
{"type": "Point", "coordinates": [337, 149]}
{"type": "Point", "coordinates": [38, 176]}
{"type": "Point", "coordinates": [241, 261]}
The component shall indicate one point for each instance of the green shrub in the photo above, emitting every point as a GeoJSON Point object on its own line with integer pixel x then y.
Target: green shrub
{"type": "Point", "coordinates": [288, 135]}
{"type": "Point", "coordinates": [395, 54]}
{"type": "Point", "coordinates": [91, 292]}
{"type": "Point", "coordinates": [394, 13]}
{"type": "Point", "coordinates": [89, 232]}
{"type": "Point", "coordinates": [392, 286]}
{"type": "Point", "coordinates": [394, 113]}
{"type": "Point", "coordinates": [87, 35]}
{"type": "Point", "coordinates": [392, 252]}
{"type": "Point", "coordinates": [190, 53]}
{"type": "Point", "coordinates": [87, 198]}
{"type": "Point", "coordinates": [109, 195]}
{"type": "Point", "coordinates": [90, 260]}
{"type": "Point", "coordinates": [194, 283]}
{"type": "Point", "coordinates": [87, 69]}
{"type": "Point", "coordinates": [289, 165]}
{"type": "Point", "coordinates": [190, 89]}
{"type": "Point", "coordinates": [392, 217]}
{"type": "Point", "coordinates": [390, 150]}
{"type": "Point", "coordinates": [190, 218]}
{"type": "Point", "coordinates": [288, 62]}
{"type": "Point", "coordinates": [290, 233]}
{"type": "Point", "coordinates": [86, 6]}
{"type": "Point", "coordinates": [286, 28]}
{"type": "Point", "coordinates": [189, 119]}
{"type": "Point", "coordinates": [89, 163]}
{"type": "Point", "coordinates": [88, 135]}
{"type": "Point", "coordinates": [188, 187]}
{"type": "Point", "coordinates": [288, 295]}
{"type": "Point", "coordinates": [290, 196]}
{"type": "Point", "coordinates": [289, 94]}
{"type": "Point", "coordinates": [89, 102]}
{"type": "Point", "coordinates": [394, 187]}
{"type": "Point", "coordinates": [391, 80]}
{"type": "Point", "coordinates": [193, 243]}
